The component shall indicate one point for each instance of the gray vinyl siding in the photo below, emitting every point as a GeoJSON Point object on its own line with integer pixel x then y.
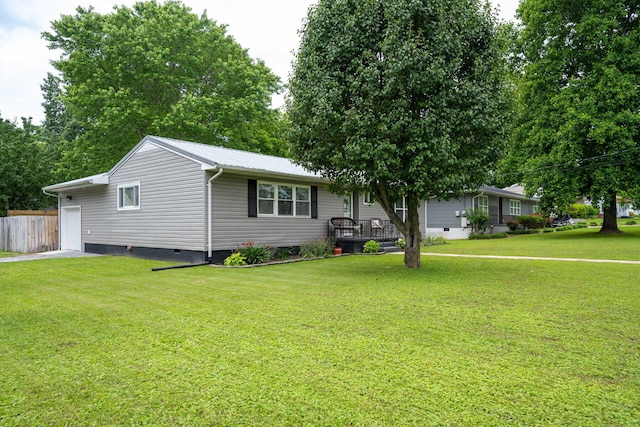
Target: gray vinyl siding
{"type": "Point", "coordinates": [172, 204]}
{"type": "Point", "coordinates": [442, 214]}
{"type": "Point", "coordinates": [375, 211]}
{"type": "Point", "coordinates": [232, 225]}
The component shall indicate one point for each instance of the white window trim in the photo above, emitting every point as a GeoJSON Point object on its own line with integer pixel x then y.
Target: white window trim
{"type": "Point", "coordinates": [368, 199]}
{"type": "Point", "coordinates": [515, 207]}
{"type": "Point", "coordinates": [275, 199]}
{"type": "Point", "coordinates": [404, 209]}
{"type": "Point", "coordinates": [128, 208]}
{"type": "Point", "coordinates": [476, 203]}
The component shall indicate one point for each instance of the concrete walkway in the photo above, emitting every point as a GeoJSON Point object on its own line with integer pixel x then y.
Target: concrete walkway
{"type": "Point", "coordinates": [533, 258]}
{"type": "Point", "coordinates": [47, 255]}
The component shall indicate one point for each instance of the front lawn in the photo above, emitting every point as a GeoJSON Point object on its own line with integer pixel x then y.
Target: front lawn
{"type": "Point", "coordinates": [581, 243]}
{"type": "Point", "coordinates": [356, 340]}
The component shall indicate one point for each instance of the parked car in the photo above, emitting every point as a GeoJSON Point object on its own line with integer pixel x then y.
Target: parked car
{"type": "Point", "coordinates": [563, 220]}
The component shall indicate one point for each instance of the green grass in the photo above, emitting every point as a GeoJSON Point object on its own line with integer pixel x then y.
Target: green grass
{"type": "Point", "coordinates": [347, 341]}
{"type": "Point", "coordinates": [581, 243]}
{"type": "Point", "coordinates": [7, 254]}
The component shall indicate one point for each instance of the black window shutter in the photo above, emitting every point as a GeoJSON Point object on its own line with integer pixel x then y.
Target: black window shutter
{"type": "Point", "coordinates": [253, 198]}
{"type": "Point", "coordinates": [314, 202]}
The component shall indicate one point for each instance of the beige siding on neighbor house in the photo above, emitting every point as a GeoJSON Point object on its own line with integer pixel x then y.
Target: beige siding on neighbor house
{"type": "Point", "coordinates": [172, 204]}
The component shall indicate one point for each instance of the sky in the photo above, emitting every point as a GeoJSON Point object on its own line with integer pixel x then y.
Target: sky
{"type": "Point", "coordinates": [267, 28]}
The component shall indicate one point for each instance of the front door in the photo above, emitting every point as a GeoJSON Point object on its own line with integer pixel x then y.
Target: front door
{"type": "Point", "coordinates": [347, 206]}
{"type": "Point", "coordinates": [71, 228]}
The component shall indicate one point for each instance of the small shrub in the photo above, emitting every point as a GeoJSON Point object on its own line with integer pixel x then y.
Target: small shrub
{"type": "Point", "coordinates": [317, 248]}
{"type": "Point", "coordinates": [513, 224]}
{"type": "Point", "coordinates": [434, 239]}
{"type": "Point", "coordinates": [284, 253]}
{"type": "Point", "coordinates": [478, 220]}
{"type": "Point", "coordinates": [579, 210]}
{"type": "Point", "coordinates": [569, 227]}
{"type": "Point", "coordinates": [524, 231]}
{"type": "Point", "coordinates": [401, 243]}
{"type": "Point", "coordinates": [593, 223]}
{"type": "Point", "coordinates": [630, 222]}
{"type": "Point", "coordinates": [632, 214]}
{"type": "Point", "coordinates": [531, 221]}
{"type": "Point", "coordinates": [371, 247]}
{"type": "Point", "coordinates": [502, 235]}
{"type": "Point", "coordinates": [548, 230]}
{"type": "Point", "coordinates": [235, 260]}
{"type": "Point", "coordinates": [255, 254]}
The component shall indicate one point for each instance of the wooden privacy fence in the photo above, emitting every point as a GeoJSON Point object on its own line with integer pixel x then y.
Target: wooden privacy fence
{"type": "Point", "coordinates": [29, 233]}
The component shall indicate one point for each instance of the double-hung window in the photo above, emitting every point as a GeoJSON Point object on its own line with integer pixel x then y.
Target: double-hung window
{"type": "Point", "coordinates": [129, 196]}
{"type": "Point", "coordinates": [515, 207]}
{"type": "Point", "coordinates": [284, 200]}
{"type": "Point", "coordinates": [400, 206]}
{"type": "Point", "coordinates": [481, 203]}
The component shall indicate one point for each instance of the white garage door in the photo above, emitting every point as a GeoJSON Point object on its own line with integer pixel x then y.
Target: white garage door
{"type": "Point", "coordinates": [71, 228]}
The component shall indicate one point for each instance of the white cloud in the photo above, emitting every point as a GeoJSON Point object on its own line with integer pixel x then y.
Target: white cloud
{"type": "Point", "coordinates": [269, 29]}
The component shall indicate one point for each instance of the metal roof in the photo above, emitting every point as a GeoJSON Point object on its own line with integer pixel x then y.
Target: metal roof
{"type": "Point", "coordinates": [229, 158]}
{"type": "Point", "coordinates": [90, 181]}
{"type": "Point", "coordinates": [495, 191]}
{"type": "Point", "coordinates": [209, 157]}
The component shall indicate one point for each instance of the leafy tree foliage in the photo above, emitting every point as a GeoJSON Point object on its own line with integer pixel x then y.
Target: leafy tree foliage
{"type": "Point", "coordinates": [578, 130]}
{"type": "Point", "coordinates": [157, 69]}
{"type": "Point", "coordinates": [24, 167]}
{"type": "Point", "coordinates": [401, 99]}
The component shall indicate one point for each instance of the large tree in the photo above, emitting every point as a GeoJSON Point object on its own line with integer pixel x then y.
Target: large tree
{"type": "Point", "coordinates": [24, 166]}
{"type": "Point", "coordinates": [578, 129]}
{"type": "Point", "coordinates": [404, 99]}
{"type": "Point", "coordinates": [157, 69]}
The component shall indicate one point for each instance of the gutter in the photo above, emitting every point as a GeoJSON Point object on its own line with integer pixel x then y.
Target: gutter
{"type": "Point", "coordinates": [210, 204]}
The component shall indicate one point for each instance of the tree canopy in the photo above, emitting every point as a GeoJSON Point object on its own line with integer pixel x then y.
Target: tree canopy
{"type": "Point", "coordinates": [24, 166]}
{"type": "Point", "coordinates": [156, 69]}
{"type": "Point", "coordinates": [578, 128]}
{"type": "Point", "coordinates": [404, 99]}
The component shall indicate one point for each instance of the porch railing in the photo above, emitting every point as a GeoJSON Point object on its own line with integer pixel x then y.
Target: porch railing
{"type": "Point", "coordinates": [369, 229]}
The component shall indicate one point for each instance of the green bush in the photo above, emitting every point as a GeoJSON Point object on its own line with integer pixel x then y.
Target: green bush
{"type": "Point", "coordinates": [434, 239]}
{"type": "Point", "coordinates": [524, 231]}
{"type": "Point", "coordinates": [317, 248]}
{"type": "Point", "coordinates": [255, 254]}
{"type": "Point", "coordinates": [579, 210]}
{"type": "Point", "coordinates": [371, 247]}
{"type": "Point", "coordinates": [571, 227]}
{"type": "Point", "coordinates": [531, 221]}
{"type": "Point", "coordinates": [502, 235]}
{"type": "Point", "coordinates": [235, 260]}
{"type": "Point", "coordinates": [630, 222]}
{"type": "Point", "coordinates": [548, 230]}
{"type": "Point", "coordinates": [401, 243]}
{"type": "Point", "coordinates": [513, 224]}
{"type": "Point", "coordinates": [284, 253]}
{"type": "Point", "coordinates": [478, 220]}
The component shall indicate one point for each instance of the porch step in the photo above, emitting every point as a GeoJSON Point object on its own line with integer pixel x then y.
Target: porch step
{"type": "Point", "coordinates": [388, 247]}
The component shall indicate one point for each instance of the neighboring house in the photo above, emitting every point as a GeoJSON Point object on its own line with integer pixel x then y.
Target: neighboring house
{"type": "Point", "coordinates": [624, 207]}
{"type": "Point", "coordinates": [448, 218]}
{"type": "Point", "coordinates": [177, 200]}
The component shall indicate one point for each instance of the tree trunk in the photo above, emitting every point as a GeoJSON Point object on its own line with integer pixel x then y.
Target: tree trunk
{"type": "Point", "coordinates": [609, 220]}
{"type": "Point", "coordinates": [413, 237]}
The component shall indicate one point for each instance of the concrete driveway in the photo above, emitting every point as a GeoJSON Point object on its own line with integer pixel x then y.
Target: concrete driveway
{"type": "Point", "coordinates": [48, 255]}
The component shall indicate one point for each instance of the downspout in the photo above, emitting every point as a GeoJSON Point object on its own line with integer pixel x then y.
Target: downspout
{"type": "Point", "coordinates": [57, 196]}
{"type": "Point", "coordinates": [210, 203]}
